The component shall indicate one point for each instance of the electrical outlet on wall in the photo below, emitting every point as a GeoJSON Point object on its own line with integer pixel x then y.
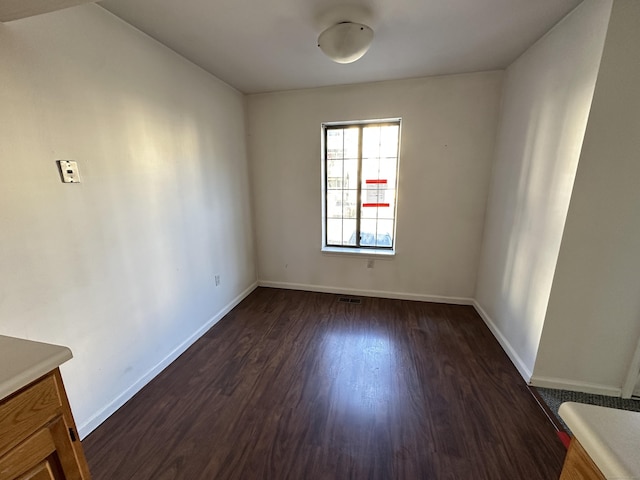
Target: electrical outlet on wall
{"type": "Point", "coordinates": [371, 263]}
{"type": "Point", "coordinates": [69, 171]}
{"type": "Point", "coordinates": [217, 280]}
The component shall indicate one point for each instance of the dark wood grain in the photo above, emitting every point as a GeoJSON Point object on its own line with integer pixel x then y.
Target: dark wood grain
{"type": "Point", "coordinates": [547, 411]}
{"type": "Point", "coordinates": [295, 385]}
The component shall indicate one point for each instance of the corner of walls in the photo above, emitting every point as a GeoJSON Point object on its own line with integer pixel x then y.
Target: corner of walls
{"type": "Point", "coordinates": [546, 102]}
{"type": "Point", "coordinates": [592, 327]}
{"type": "Point", "coordinates": [511, 352]}
{"type": "Point", "coordinates": [112, 406]}
{"type": "Point", "coordinates": [252, 196]}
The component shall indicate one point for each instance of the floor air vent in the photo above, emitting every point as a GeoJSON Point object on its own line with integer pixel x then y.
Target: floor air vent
{"type": "Point", "coordinates": [357, 301]}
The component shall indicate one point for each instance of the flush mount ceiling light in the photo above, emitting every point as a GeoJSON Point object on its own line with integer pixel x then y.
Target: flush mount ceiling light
{"type": "Point", "coordinates": [345, 42]}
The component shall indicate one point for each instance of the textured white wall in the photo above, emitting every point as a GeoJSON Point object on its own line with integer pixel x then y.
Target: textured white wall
{"type": "Point", "coordinates": [121, 267]}
{"type": "Point", "coordinates": [545, 106]}
{"type": "Point", "coordinates": [448, 134]}
{"type": "Point", "coordinates": [593, 321]}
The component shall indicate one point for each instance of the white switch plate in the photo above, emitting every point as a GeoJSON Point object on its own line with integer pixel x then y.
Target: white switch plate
{"type": "Point", "coordinates": [69, 171]}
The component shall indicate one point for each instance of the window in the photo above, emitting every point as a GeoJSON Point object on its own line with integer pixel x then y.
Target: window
{"type": "Point", "coordinates": [360, 167]}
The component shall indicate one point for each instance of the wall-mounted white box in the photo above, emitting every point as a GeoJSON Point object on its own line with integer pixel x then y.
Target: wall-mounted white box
{"type": "Point", "coordinates": [69, 171]}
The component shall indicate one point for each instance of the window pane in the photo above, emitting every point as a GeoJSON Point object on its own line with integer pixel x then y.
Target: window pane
{"type": "Point", "coordinates": [369, 212]}
{"type": "Point", "coordinates": [370, 170]}
{"type": "Point", "coordinates": [334, 204]}
{"type": "Point", "coordinates": [334, 231]}
{"type": "Point", "coordinates": [350, 174]}
{"type": "Point", "coordinates": [386, 212]}
{"type": "Point", "coordinates": [387, 171]}
{"type": "Point", "coordinates": [385, 233]}
{"type": "Point", "coordinates": [367, 233]}
{"type": "Point", "coordinates": [389, 141]}
{"type": "Point", "coordinates": [375, 194]}
{"type": "Point", "coordinates": [371, 142]}
{"type": "Point", "coordinates": [334, 174]}
{"type": "Point", "coordinates": [351, 142]}
{"type": "Point", "coordinates": [349, 203]}
{"type": "Point", "coordinates": [349, 232]}
{"type": "Point", "coordinates": [376, 233]}
{"type": "Point", "coordinates": [334, 143]}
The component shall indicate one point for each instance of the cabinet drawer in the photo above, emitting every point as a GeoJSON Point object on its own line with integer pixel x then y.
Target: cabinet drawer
{"type": "Point", "coordinates": [39, 449]}
{"type": "Point", "coordinates": [24, 412]}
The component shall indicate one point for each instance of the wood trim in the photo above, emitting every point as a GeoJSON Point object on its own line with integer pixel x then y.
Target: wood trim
{"type": "Point", "coordinates": [69, 423]}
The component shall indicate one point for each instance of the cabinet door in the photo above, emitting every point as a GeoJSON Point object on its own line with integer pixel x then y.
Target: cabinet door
{"type": "Point", "coordinates": [47, 454]}
{"type": "Point", "coordinates": [578, 464]}
{"type": "Point", "coordinates": [48, 469]}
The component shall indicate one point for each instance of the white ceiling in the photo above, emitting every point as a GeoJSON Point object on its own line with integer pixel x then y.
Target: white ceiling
{"type": "Point", "coordinates": [270, 45]}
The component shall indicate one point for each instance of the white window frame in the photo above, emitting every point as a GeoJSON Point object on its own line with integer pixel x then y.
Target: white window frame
{"type": "Point", "coordinates": [351, 250]}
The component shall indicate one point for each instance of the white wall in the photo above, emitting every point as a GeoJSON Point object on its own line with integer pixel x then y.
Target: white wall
{"type": "Point", "coordinates": [448, 134]}
{"type": "Point", "coordinates": [545, 107]}
{"type": "Point", "coordinates": [121, 267]}
{"type": "Point", "coordinates": [593, 321]}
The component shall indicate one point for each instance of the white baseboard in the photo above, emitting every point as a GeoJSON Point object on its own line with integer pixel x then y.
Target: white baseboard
{"type": "Point", "coordinates": [367, 293]}
{"type": "Point", "coordinates": [504, 343]}
{"type": "Point", "coordinates": [538, 381]}
{"type": "Point", "coordinates": [87, 427]}
{"type": "Point", "coordinates": [574, 386]}
{"type": "Point", "coordinates": [506, 346]}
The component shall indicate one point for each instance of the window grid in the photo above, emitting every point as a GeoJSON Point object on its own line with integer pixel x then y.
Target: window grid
{"type": "Point", "coordinates": [369, 221]}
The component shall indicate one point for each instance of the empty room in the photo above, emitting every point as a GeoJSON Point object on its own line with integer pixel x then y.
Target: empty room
{"type": "Point", "coordinates": [319, 240]}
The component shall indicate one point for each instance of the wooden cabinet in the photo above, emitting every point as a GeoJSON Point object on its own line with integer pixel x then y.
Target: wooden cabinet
{"type": "Point", "coordinates": [578, 465]}
{"type": "Point", "coordinates": [38, 437]}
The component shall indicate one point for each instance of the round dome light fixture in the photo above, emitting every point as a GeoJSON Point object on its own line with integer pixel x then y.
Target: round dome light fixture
{"type": "Point", "coordinates": [345, 42]}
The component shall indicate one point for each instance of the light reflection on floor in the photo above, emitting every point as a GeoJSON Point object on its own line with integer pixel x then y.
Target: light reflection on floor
{"type": "Point", "coordinates": [360, 370]}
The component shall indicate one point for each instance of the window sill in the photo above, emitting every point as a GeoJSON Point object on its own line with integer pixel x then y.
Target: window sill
{"type": "Point", "coordinates": [378, 252]}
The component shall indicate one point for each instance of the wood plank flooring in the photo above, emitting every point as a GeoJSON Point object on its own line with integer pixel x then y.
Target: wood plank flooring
{"type": "Point", "coordinates": [296, 385]}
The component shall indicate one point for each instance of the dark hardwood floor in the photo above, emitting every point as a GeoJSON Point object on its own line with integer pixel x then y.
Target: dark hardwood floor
{"type": "Point", "coordinates": [296, 385]}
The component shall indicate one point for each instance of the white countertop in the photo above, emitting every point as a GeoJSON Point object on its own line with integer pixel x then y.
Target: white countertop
{"type": "Point", "coordinates": [23, 361]}
{"type": "Point", "coordinates": [611, 437]}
